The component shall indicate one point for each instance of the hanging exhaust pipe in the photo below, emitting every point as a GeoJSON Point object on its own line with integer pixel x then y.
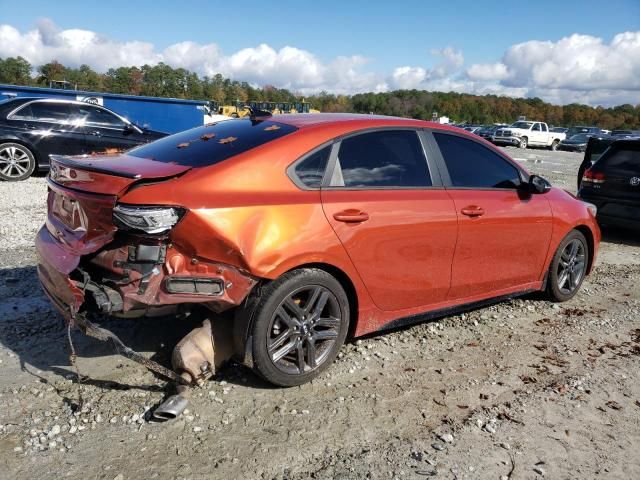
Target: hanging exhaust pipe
{"type": "Point", "coordinates": [193, 359]}
{"type": "Point", "coordinates": [173, 406]}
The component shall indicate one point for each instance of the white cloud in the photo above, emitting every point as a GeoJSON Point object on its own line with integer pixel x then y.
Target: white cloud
{"type": "Point", "coordinates": [288, 67]}
{"type": "Point", "coordinates": [408, 77]}
{"type": "Point", "coordinates": [577, 68]}
{"type": "Point", "coordinates": [488, 71]}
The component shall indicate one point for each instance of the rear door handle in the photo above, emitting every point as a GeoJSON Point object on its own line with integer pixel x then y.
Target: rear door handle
{"type": "Point", "coordinates": [95, 133]}
{"type": "Point", "coordinates": [472, 211]}
{"type": "Point", "coordinates": [351, 216]}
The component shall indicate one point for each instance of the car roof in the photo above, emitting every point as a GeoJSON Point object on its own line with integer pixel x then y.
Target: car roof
{"type": "Point", "coordinates": [358, 121]}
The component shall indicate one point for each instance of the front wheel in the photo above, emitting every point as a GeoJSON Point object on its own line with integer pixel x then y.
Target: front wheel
{"type": "Point", "coordinates": [16, 162]}
{"type": "Point", "coordinates": [301, 321]}
{"type": "Point", "coordinates": [523, 142]}
{"type": "Point", "coordinates": [568, 267]}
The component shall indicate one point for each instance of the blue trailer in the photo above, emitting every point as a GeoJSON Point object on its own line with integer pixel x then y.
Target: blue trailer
{"type": "Point", "coordinates": [168, 115]}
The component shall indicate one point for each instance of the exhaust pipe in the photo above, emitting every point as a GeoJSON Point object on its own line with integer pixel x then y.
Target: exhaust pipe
{"type": "Point", "coordinates": [171, 408]}
{"type": "Point", "coordinates": [193, 358]}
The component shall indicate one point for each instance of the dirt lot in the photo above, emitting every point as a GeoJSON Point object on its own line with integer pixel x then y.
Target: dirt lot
{"type": "Point", "coordinates": [523, 389]}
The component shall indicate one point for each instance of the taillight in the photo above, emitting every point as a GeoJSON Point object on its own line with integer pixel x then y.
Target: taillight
{"type": "Point", "coordinates": [593, 177]}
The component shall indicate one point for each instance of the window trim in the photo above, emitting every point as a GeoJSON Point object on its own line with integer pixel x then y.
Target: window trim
{"type": "Point", "coordinates": [432, 169]}
{"type": "Point", "coordinates": [448, 184]}
{"type": "Point", "coordinates": [291, 169]}
{"type": "Point", "coordinates": [17, 110]}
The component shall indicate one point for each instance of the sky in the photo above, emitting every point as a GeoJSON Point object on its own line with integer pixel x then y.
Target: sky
{"type": "Point", "coordinates": [563, 52]}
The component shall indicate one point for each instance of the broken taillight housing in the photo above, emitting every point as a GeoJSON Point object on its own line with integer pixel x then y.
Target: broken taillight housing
{"type": "Point", "coordinates": [593, 177]}
{"type": "Point", "coordinates": [147, 219]}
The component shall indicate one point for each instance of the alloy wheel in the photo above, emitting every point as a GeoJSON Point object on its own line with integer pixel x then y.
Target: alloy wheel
{"type": "Point", "coordinates": [303, 329]}
{"type": "Point", "coordinates": [571, 266]}
{"type": "Point", "coordinates": [14, 161]}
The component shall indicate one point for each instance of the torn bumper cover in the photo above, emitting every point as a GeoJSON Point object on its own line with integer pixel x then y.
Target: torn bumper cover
{"type": "Point", "coordinates": [135, 277]}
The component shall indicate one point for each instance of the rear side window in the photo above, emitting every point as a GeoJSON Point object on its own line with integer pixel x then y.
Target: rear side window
{"type": "Point", "coordinates": [623, 160]}
{"type": "Point", "coordinates": [387, 158]}
{"type": "Point", "coordinates": [98, 117]}
{"type": "Point", "coordinates": [310, 171]}
{"type": "Point", "coordinates": [472, 165]}
{"type": "Point", "coordinates": [211, 144]}
{"type": "Point", "coordinates": [44, 112]}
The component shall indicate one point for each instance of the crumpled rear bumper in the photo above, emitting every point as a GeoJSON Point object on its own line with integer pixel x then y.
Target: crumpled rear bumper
{"type": "Point", "coordinates": [135, 288]}
{"type": "Point", "coordinates": [54, 266]}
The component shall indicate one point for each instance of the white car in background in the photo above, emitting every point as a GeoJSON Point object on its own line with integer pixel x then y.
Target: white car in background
{"type": "Point", "coordinates": [525, 133]}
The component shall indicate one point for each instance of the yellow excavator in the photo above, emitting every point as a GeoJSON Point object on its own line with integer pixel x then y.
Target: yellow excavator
{"type": "Point", "coordinates": [240, 109]}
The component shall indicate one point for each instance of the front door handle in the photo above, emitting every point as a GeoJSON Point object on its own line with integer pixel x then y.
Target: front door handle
{"type": "Point", "coordinates": [351, 215]}
{"type": "Point", "coordinates": [472, 211]}
{"type": "Point", "coordinates": [95, 133]}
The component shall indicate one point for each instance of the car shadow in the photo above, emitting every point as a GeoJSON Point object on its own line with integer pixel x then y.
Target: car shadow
{"type": "Point", "coordinates": [620, 236]}
{"type": "Point", "coordinates": [36, 333]}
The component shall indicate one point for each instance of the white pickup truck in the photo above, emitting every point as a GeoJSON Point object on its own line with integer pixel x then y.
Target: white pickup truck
{"type": "Point", "coordinates": [524, 133]}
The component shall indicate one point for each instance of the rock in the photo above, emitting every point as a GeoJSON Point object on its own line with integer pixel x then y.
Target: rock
{"type": "Point", "coordinates": [539, 470]}
{"type": "Point", "coordinates": [197, 429]}
{"type": "Point", "coordinates": [119, 477]}
{"type": "Point", "coordinates": [55, 431]}
{"type": "Point", "coordinates": [505, 445]}
{"type": "Point", "coordinates": [447, 438]}
{"type": "Point", "coordinates": [490, 428]}
{"type": "Point", "coordinates": [438, 446]}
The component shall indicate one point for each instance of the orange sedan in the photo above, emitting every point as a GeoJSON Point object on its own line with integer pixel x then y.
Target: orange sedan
{"type": "Point", "coordinates": [311, 227]}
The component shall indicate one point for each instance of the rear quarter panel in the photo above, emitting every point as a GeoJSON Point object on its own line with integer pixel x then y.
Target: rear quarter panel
{"type": "Point", "coordinates": [571, 213]}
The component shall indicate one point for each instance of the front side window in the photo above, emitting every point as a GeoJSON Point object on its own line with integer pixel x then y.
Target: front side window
{"type": "Point", "coordinates": [44, 112]}
{"type": "Point", "coordinates": [97, 117]}
{"type": "Point", "coordinates": [536, 127]}
{"type": "Point", "coordinates": [310, 171]}
{"type": "Point", "coordinates": [388, 158]}
{"type": "Point", "coordinates": [472, 165]}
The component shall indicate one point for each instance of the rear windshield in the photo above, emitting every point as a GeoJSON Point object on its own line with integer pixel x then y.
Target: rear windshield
{"type": "Point", "coordinates": [208, 145]}
{"type": "Point", "coordinates": [621, 159]}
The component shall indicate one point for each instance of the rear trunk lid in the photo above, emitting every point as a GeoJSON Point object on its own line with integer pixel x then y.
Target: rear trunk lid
{"type": "Point", "coordinates": [109, 174]}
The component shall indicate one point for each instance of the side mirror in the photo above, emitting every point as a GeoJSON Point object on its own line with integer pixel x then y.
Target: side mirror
{"type": "Point", "coordinates": [537, 184]}
{"type": "Point", "coordinates": [130, 128]}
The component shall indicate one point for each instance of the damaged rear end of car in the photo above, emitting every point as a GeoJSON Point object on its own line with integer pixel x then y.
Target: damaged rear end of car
{"type": "Point", "coordinates": [100, 256]}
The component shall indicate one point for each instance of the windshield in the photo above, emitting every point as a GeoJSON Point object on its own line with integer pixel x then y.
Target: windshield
{"type": "Point", "coordinates": [575, 130]}
{"type": "Point", "coordinates": [581, 137]}
{"type": "Point", "coordinates": [211, 144]}
{"type": "Point", "coordinates": [523, 125]}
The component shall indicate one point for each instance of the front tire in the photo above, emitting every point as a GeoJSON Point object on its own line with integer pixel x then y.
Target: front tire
{"type": "Point", "coordinates": [523, 142]}
{"type": "Point", "coordinates": [300, 323]}
{"type": "Point", "coordinates": [16, 162]}
{"type": "Point", "coordinates": [568, 267]}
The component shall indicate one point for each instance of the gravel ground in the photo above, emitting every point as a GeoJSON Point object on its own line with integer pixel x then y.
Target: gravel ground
{"type": "Point", "coordinates": [522, 389]}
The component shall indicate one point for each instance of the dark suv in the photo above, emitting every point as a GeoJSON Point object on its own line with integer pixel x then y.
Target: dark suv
{"type": "Point", "coordinates": [611, 181]}
{"type": "Point", "coordinates": [31, 129]}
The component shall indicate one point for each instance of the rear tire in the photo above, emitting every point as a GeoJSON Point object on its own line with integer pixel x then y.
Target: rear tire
{"type": "Point", "coordinates": [554, 145]}
{"type": "Point", "coordinates": [16, 162]}
{"type": "Point", "coordinates": [568, 267]}
{"type": "Point", "coordinates": [524, 141]}
{"type": "Point", "coordinates": [300, 322]}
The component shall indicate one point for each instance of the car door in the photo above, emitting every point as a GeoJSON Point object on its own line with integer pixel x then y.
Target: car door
{"type": "Point", "coordinates": [104, 130]}
{"type": "Point", "coordinates": [536, 134]}
{"type": "Point", "coordinates": [503, 231]}
{"type": "Point", "coordinates": [48, 126]}
{"type": "Point", "coordinates": [398, 225]}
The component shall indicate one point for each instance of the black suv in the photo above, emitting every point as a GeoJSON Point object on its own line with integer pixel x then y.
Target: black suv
{"type": "Point", "coordinates": [31, 129]}
{"type": "Point", "coordinates": [609, 177]}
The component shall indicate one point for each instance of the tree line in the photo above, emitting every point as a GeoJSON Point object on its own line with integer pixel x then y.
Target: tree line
{"type": "Point", "coordinates": [162, 80]}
